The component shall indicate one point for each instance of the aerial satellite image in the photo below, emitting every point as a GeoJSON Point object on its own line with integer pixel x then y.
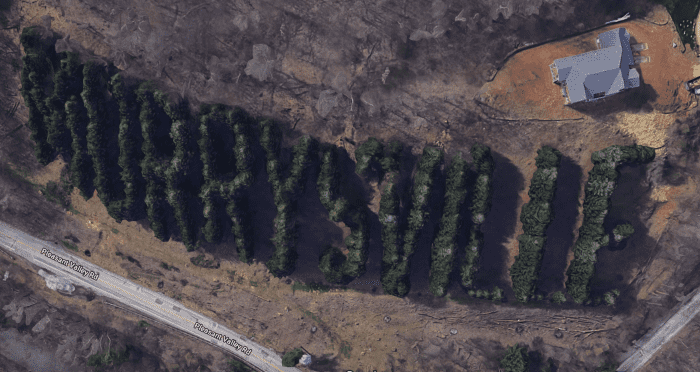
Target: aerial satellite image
{"type": "Point", "coordinates": [349, 185]}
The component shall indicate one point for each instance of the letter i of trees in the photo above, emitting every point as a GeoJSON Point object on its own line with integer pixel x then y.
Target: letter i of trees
{"type": "Point", "coordinates": [444, 245]}
{"type": "Point", "coordinates": [536, 215]}
{"type": "Point", "coordinates": [480, 206]}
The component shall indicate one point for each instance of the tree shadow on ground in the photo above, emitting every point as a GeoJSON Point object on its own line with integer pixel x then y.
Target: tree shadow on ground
{"type": "Point", "coordinates": [629, 202]}
{"type": "Point", "coordinates": [560, 233]}
{"type": "Point", "coordinates": [420, 267]}
{"type": "Point", "coordinates": [314, 232]}
{"type": "Point", "coordinates": [325, 363]}
{"type": "Point", "coordinates": [420, 263]}
{"type": "Point", "coordinates": [358, 193]}
{"type": "Point", "coordinates": [499, 226]}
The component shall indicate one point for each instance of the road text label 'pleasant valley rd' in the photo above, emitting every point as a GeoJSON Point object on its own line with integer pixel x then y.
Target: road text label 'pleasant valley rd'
{"type": "Point", "coordinates": [231, 342]}
{"type": "Point", "coordinates": [78, 268]}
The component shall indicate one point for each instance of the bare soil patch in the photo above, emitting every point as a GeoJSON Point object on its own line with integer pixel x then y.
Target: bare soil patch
{"type": "Point", "coordinates": [523, 88]}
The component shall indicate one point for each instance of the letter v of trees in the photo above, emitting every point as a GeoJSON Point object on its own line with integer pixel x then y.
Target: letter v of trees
{"type": "Point", "coordinates": [536, 216]}
{"type": "Point", "coordinates": [444, 246]}
{"type": "Point", "coordinates": [480, 206]}
{"type": "Point", "coordinates": [284, 192]}
{"type": "Point", "coordinates": [395, 279]}
{"type": "Point", "coordinates": [601, 183]}
{"type": "Point", "coordinates": [177, 185]}
{"type": "Point", "coordinates": [93, 95]}
{"type": "Point", "coordinates": [150, 166]}
{"type": "Point", "coordinates": [130, 154]}
{"type": "Point", "coordinates": [333, 264]}
{"type": "Point", "coordinates": [36, 69]}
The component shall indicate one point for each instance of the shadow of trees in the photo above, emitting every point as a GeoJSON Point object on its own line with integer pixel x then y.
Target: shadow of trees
{"type": "Point", "coordinates": [499, 225]}
{"type": "Point", "coordinates": [629, 202]}
{"type": "Point", "coordinates": [560, 233]}
{"type": "Point", "coordinates": [420, 264]}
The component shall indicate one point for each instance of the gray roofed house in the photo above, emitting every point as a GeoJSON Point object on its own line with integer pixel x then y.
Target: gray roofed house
{"type": "Point", "coordinates": [593, 75]}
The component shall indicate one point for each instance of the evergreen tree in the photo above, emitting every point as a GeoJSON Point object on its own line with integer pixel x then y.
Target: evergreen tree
{"type": "Point", "coordinates": [536, 215]}
{"type": "Point", "coordinates": [81, 169]}
{"type": "Point", "coordinates": [178, 192]}
{"type": "Point", "coordinates": [601, 184]}
{"type": "Point", "coordinates": [130, 143]}
{"type": "Point", "coordinates": [36, 70]}
{"type": "Point", "coordinates": [515, 359]}
{"type": "Point", "coordinates": [94, 100]}
{"type": "Point", "coordinates": [150, 167]}
{"type": "Point", "coordinates": [444, 245]}
{"type": "Point", "coordinates": [67, 82]}
{"type": "Point", "coordinates": [479, 207]}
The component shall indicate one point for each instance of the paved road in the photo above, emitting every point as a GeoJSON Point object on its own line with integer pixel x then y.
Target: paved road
{"type": "Point", "coordinates": [653, 341]}
{"type": "Point", "coordinates": [64, 263]}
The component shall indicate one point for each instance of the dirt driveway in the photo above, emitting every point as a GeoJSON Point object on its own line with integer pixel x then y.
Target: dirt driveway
{"type": "Point", "coordinates": [523, 88]}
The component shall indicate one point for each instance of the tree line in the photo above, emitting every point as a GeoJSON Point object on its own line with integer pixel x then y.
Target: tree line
{"type": "Point", "coordinates": [536, 215]}
{"type": "Point", "coordinates": [199, 169]}
{"type": "Point", "coordinates": [601, 183]}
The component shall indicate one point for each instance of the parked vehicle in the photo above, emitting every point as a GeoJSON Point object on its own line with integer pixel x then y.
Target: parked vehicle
{"type": "Point", "coordinates": [693, 85]}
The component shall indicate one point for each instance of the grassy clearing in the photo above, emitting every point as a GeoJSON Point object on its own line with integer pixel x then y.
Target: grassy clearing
{"type": "Point", "coordinates": [70, 246]}
{"type": "Point", "coordinates": [345, 349]}
{"type": "Point", "coordinates": [683, 13]}
{"type": "Point", "coordinates": [310, 315]}
{"type": "Point", "coordinates": [310, 287]}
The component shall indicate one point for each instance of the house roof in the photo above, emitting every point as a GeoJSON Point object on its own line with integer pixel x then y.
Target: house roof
{"type": "Point", "coordinates": [606, 70]}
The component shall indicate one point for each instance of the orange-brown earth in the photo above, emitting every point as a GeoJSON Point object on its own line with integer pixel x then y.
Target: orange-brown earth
{"type": "Point", "coordinates": [523, 88]}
